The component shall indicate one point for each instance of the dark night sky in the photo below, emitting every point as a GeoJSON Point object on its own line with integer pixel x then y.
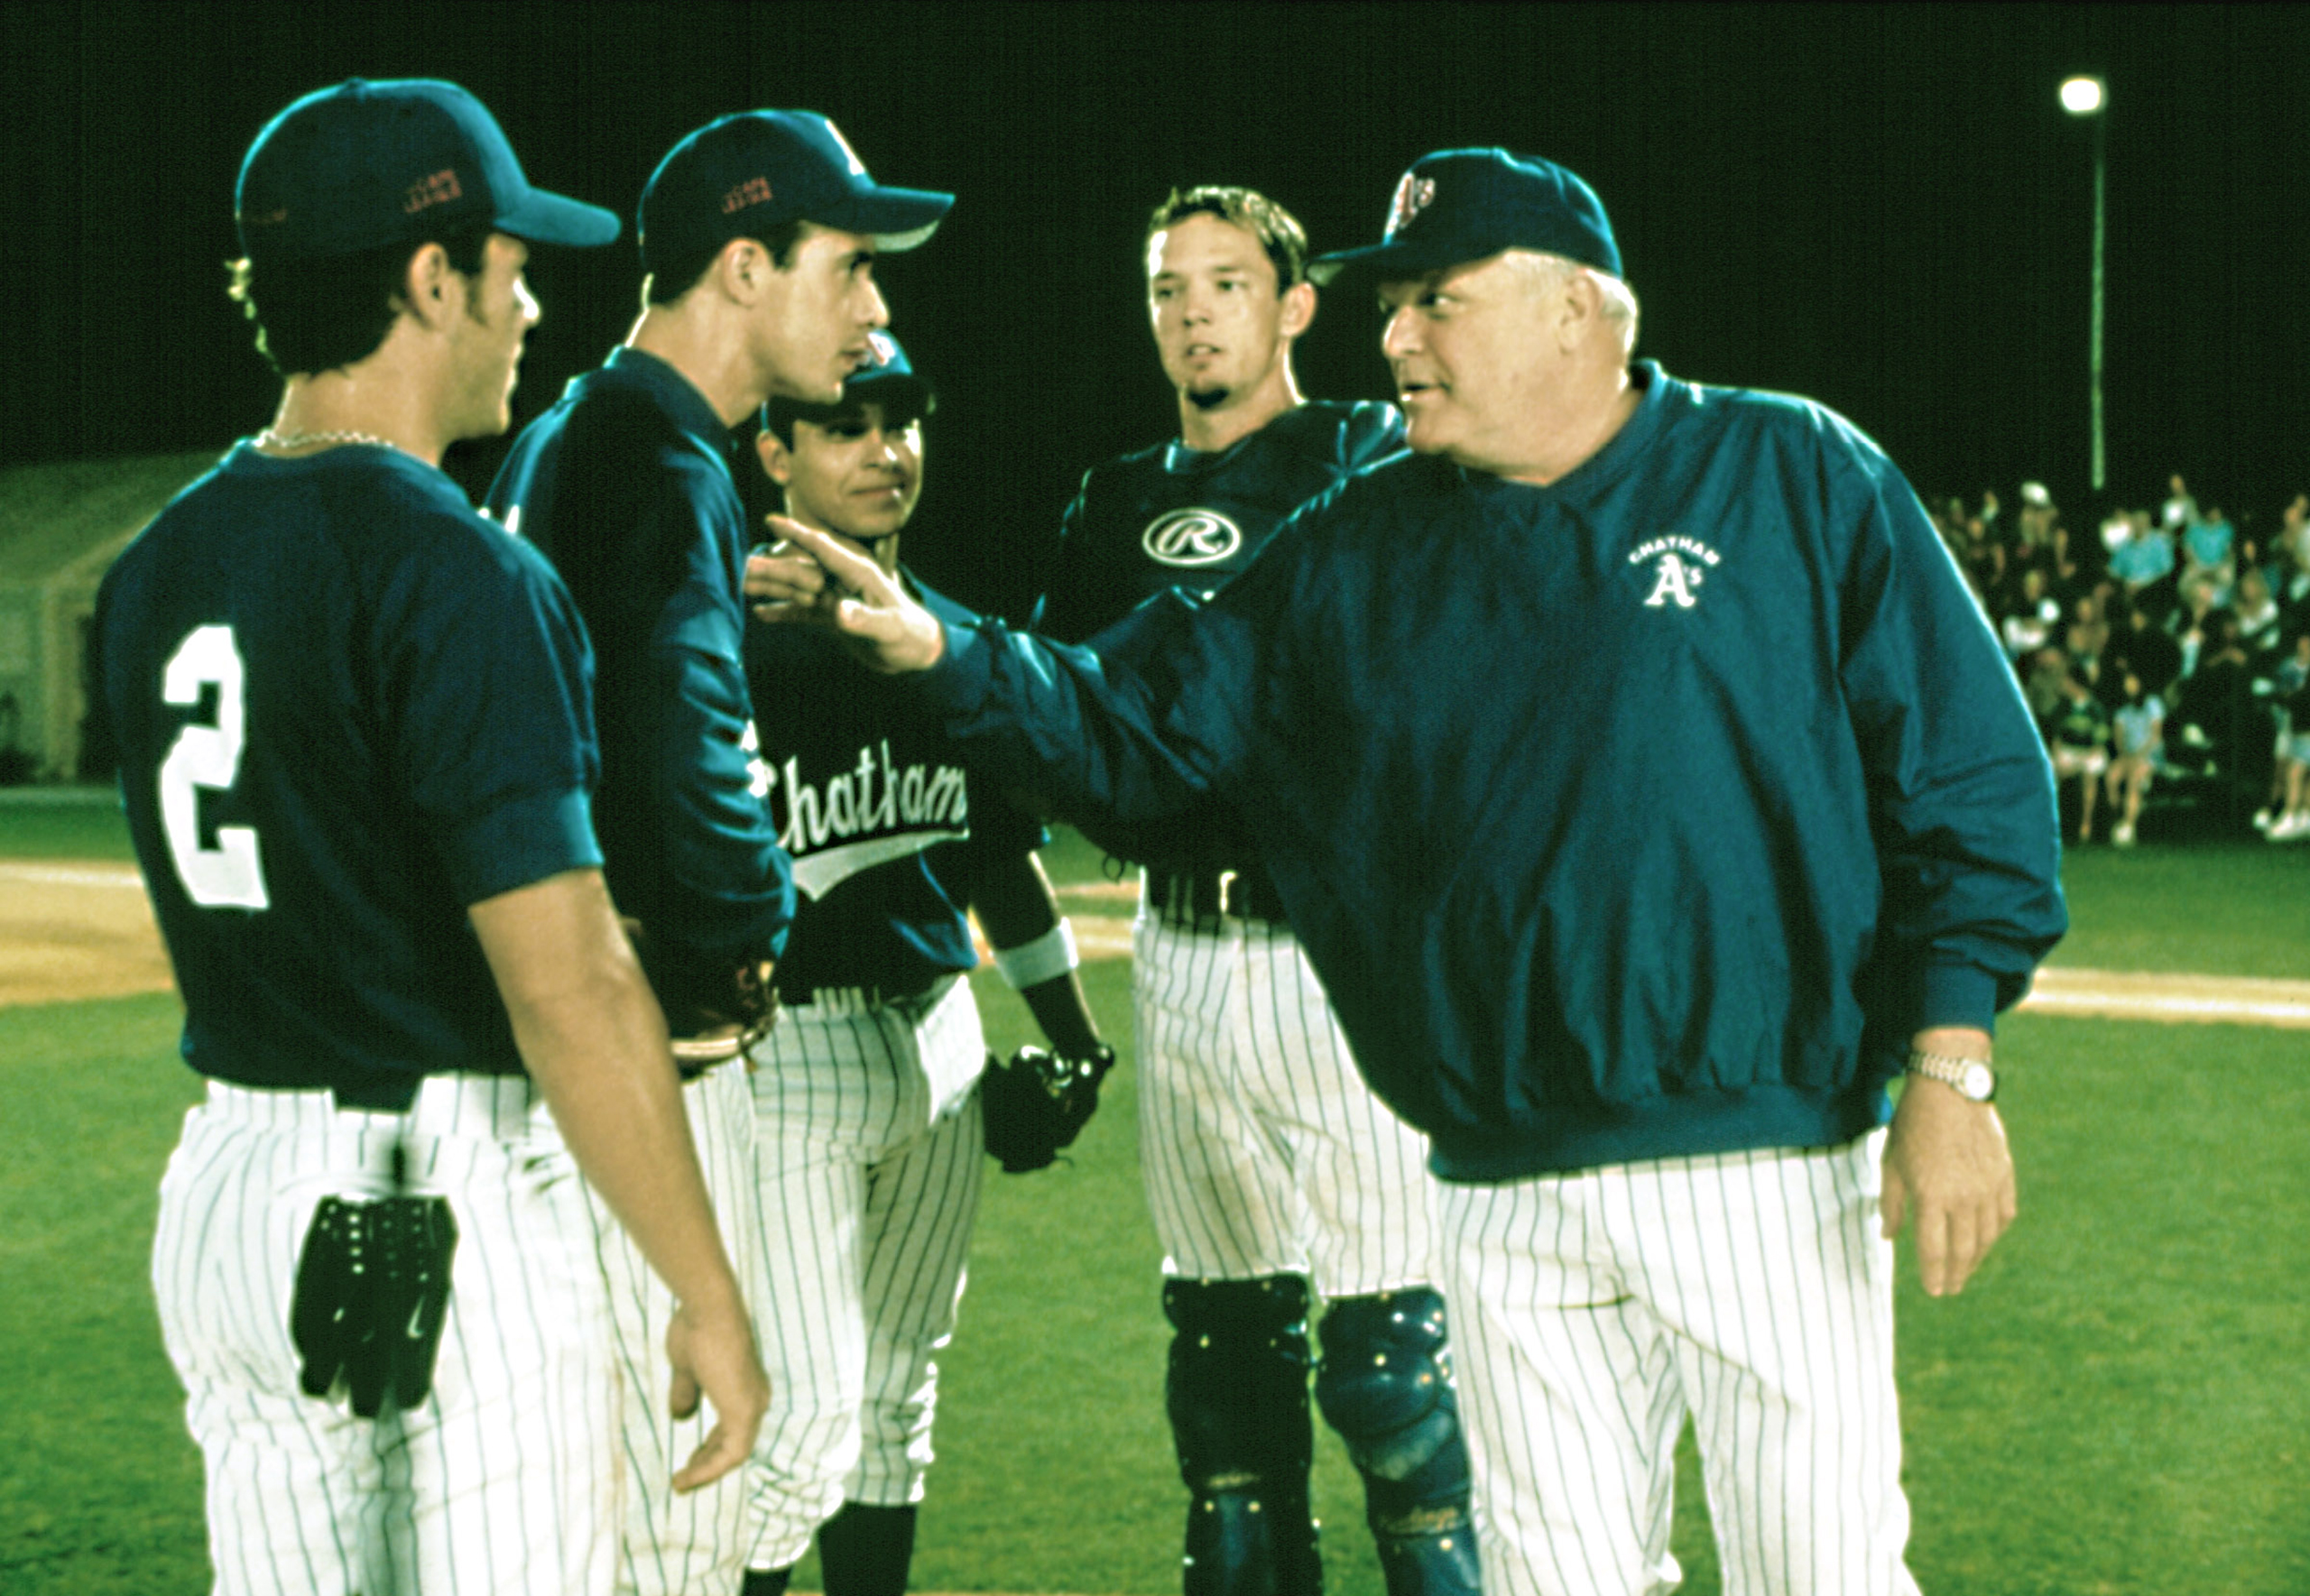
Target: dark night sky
{"type": "Point", "coordinates": [1882, 207]}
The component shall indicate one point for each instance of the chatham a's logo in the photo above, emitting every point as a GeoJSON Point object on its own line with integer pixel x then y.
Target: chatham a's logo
{"type": "Point", "coordinates": [1680, 565]}
{"type": "Point", "coordinates": [1196, 537]}
{"type": "Point", "coordinates": [1412, 195]}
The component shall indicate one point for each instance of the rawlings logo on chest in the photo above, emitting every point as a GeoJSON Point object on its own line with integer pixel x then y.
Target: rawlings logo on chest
{"type": "Point", "coordinates": [1193, 537]}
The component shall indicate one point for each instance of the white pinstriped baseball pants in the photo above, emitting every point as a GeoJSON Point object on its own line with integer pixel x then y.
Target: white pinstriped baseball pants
{"type": "Point", "coordinates": [503, 1479]}
{"type": "Point", "coordinates": [1263, 1151]}
{"type": "Point", "coordinates": [672, 1544]}
{"type": "Point", "coordinates": [869, 1149]}
{"type": "Point", "coordinates": [1592, 1311]}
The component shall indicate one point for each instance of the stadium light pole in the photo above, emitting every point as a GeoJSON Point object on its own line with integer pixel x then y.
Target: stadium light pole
{"type": "Point", "coordinates": [2086, 96]}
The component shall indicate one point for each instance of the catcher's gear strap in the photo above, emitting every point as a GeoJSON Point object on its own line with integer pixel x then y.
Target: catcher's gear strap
{"type": "Point", "coordinates": [1385, 1385]}
{"type": "Point", "coordinates": [371, 1296]}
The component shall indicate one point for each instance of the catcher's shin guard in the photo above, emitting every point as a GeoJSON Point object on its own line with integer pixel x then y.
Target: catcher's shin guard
{"type": "Point", "coordinates": [865, 1550]}
{"type": "Point", "coordinates": [1238, 1401]}
{"type": "Point", "coordinates": [1385, 1385]}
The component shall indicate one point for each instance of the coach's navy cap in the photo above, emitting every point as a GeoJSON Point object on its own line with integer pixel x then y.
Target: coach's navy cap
{"type": "Point", "coordinates": [743, 175]}
{"type": "Point", "coordinates": [1463, 205]}
{"type": "Point", "coordinates": [364, 164]}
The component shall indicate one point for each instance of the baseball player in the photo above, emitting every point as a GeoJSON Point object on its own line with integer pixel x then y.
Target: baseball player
{"type": "Point", "coordinates": [1649, 794]}
{"type": "Point", "coordinates": [758, 233]}
{"type": "Point", "coordinates": [1269, 1162]}
{"type": "Point", "coordinates": [357, 755]}
{"type": "Point", "coordinates": [869, 1128]}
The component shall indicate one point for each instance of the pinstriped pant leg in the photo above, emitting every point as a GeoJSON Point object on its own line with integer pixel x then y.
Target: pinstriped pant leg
{"type": "Point", "coordinates": [499, 1482]}
{"type": "Point", "coordinates": [1569, 1395]}
{"type": "Point", "coordinates": [1361, 1173]}
{"type": "Point", "coordinates": [921, 1201]}
{"type": "Point", "coordinates": [1770, 1272]}
{"type": "Point", "coordinates": [1218, 1189]}
{"type": "Point", "coordinates": [670, 1543]}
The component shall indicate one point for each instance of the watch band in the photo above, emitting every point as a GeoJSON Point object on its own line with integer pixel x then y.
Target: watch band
{"type": "Point", "coordinates": [1972, 1077]}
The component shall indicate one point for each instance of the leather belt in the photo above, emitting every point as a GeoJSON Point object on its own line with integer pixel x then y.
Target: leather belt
{"type": "Point", "coordinates": [851, 1000]}
{"type": "Point", "coordinates": [1184, 896]}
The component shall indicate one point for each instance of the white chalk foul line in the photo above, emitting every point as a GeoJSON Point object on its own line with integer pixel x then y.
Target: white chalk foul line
{"type": "Point", "coordinates": [63, 875]}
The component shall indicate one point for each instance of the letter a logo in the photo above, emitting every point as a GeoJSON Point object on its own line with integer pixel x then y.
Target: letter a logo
{"type": "Point", "coordinates": [1676, 583]}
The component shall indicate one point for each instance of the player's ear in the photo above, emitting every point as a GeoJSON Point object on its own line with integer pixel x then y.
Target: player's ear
{"type": "Point", "coordinates": [776, 463]}
{"type": "Point", "coordinates": [426, 288]}
{"type": "Point", "coordinates": [1298, 309]}
{"type": "Point", "coordinates": [739, 270]}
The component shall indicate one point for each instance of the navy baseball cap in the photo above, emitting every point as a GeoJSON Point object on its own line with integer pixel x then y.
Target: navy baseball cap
{"type": "Point", "coordinates": [1465, 205]}
{"type": "Point", "coordinates": [743, 175]}
{"type": "Point", "coordinates": [889, 380]}
{"type": "Point", "coordinates": [363, 165]}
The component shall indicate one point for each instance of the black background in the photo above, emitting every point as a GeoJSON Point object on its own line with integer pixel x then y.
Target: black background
{"type": "Point", "coordinates": [1882, 207]}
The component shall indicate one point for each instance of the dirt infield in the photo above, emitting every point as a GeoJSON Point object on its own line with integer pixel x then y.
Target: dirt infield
{"type": "Point", "coordinates": [71, 930]}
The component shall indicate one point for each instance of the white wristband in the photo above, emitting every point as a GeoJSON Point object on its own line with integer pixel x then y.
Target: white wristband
{"type": "Point", "coordinates": [1047, 957]}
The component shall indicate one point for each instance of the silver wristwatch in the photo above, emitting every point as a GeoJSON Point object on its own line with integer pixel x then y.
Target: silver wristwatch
{"type": "Point", "coordinates": [1972, 1077]}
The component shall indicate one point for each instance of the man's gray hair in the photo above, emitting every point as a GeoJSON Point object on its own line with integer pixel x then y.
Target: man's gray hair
{"type": "Point", "coordinates": [1546, 273]}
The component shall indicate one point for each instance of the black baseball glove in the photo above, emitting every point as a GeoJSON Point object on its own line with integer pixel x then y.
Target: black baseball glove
{"type": "Point", "coordinates": [1036, 1104]}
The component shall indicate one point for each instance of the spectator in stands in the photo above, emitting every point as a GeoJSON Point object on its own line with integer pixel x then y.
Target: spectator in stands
{"type": "Point", "coordinates": [2144, 648]}
{"type": "Point", "coordinates": [2180, 508]}
{"type": "Point", "coordinates": [2191, 623]}
{"type": "Point", "coordinates": [2209, 554]}
{"type": "Point", "coordinates": [2290, 709]}
{"type": "Point", "coordinates": [2210, 704]}
{"type": "Point", "coordinates": [2257, 620]}
{"type": "Point", "coordinates": [2084, 638]}
{"type": "Point", "coordinates": [2080, 745]}
{"type": "Point", "coordinates": [2137, 734]}
{"type": "Point", "coordinates": [2145, 559]}
{"type": "Point", "coordinates": [2031, 614]}
{"type": "Point", "coordinates": [2042, 674]}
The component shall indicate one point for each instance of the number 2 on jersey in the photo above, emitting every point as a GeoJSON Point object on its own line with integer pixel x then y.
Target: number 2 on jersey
{"type": "Point", "coordinates": [230, 875]}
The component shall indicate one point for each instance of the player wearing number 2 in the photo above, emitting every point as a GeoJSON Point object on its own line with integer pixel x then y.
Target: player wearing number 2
{"type": "Point", "coordinates": [1650, 795]}
{"type": "Point", "coordinates": [357, 755]}
{"type": "Point", "coordinates": [1269, 1162]}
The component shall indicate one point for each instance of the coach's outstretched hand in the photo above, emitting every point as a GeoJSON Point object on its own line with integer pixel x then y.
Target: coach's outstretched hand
{"type": "Point", "coordinates": [811, 577]}
{"type": "Point", "coordinates": [1947, 1167]}
{"type": "Point", "coordinates": [713, 1354]}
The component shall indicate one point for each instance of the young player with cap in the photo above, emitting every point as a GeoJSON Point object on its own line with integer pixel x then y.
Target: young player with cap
{"type": "Point", "coordinates": [869, 1134]}
{"type": "Point", "coordinates": [356, 756]}
{"type": "Point", "coordinates": [759, 233]}
{"type": "Point", "coordinates": [1269, 1163]}
{"type": "Point", "coordinates": [1650, 795]}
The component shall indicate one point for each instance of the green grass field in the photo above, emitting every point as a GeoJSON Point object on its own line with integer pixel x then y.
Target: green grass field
{"type": "Point", "coordinates": [2116, 1407]}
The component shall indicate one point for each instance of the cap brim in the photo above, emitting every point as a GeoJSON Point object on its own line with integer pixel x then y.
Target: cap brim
{"type": "Point", "coordinates": [550, 218]}
{"type": "Point", "coordinates": [896, 220]}
{"type": "Point", "coordinates": [1379, 262]}
{"type": "Point", "coordinates": [871, 385]}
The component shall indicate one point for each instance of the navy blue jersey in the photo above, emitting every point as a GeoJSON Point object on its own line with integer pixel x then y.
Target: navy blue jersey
{"type": "Point", "coordinates": [1173, 515]}
{"type": "Point", "coordinates": [345, 708]}
{"type": "Point", "coordinates": [625, 486]}
{"type": "Point", "coordinates": [873, 802]}
{"type": "Point", "coordinates": [1644, 814]}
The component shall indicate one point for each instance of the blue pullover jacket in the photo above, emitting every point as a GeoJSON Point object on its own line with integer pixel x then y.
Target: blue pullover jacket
{"type": "Point", "coordinates": [1645, 814]}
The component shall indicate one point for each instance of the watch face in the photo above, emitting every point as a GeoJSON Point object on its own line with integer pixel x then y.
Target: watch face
{"type": "Point", "coordinates": [1978, 1083]}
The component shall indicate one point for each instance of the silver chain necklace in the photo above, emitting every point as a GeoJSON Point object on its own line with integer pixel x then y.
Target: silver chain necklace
{"type": "Point", "coordinates": [271, 439]}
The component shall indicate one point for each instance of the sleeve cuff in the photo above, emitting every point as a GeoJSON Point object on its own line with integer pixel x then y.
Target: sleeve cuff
{"type": "Point", "coordinates": [1958, 995]}
{"type": "Point", "coordinates": [521, 841]}
{"type": "Point", "coordinates": [958, 682]}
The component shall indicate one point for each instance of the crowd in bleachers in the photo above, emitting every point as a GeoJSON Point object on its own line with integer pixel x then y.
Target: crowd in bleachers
{"type": "Point", "coordinates": [2166, 654]}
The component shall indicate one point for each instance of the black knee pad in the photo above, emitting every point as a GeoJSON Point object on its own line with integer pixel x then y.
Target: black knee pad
{"type": "Point", "coordinates": [1385, 1385]}
{"type": "Point", "coordinates": [1237, 1394]}
{"type": "Point", "coordinates": [1238, 1384]}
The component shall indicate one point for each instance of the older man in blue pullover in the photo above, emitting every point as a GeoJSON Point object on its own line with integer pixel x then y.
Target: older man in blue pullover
{"type": "Point", "coordinates": [1651, 797]}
